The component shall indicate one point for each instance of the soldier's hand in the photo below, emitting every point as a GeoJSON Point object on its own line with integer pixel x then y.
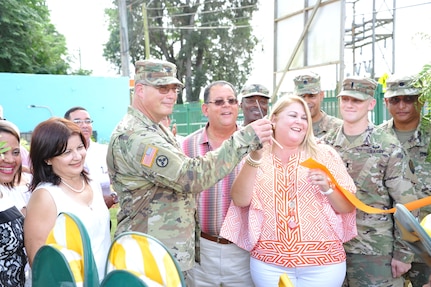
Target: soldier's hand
{"type": "Point", "coordinates": [263, 129]}
{"type": "Point", "coordinates": [399, 268]}
{"type": "Point", "coordinates": [174, 129]}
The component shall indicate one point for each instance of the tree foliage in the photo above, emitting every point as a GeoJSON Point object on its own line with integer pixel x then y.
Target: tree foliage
{"type": "Point", "coordinates": [422, 81]}
{"type": "Point", "coordinates": [29, 42]}
{"type": "Point", "coordinates": [207, 40]}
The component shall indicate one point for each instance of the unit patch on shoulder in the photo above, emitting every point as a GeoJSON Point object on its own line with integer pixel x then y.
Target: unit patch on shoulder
{"type": "Point", "coordinates": [150, 153]}
{"type": "Point", "coordinates": [162, 161]}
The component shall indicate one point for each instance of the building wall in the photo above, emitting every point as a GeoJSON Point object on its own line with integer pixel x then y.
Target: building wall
{"type": "Point", "coordinates": [105, 98]}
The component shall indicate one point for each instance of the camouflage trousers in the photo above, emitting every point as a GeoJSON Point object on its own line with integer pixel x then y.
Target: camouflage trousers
{"type": "Point", "coordinates": [370, 271]}
{"type": "Point", "coordinates": [418, 274]}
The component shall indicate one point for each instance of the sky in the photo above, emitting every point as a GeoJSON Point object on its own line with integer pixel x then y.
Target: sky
{"type": "Point", "coordinates": [411, 19]}
{"type": "Point", "coordinates": [84, 25]}
{"type": "Point", "coordinates": [411, 52]}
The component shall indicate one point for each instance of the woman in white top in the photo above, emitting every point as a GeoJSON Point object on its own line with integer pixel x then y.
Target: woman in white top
{"type": "Point", "coordinates": [61, 184]}
{"type": "Point", "coordinates": [12, 254]}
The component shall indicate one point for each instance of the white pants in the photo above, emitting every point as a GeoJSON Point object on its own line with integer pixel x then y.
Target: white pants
{"type": "Point", "coordinates": [221, 265]}
{"type": "Point", "coordinates": [268, 275]}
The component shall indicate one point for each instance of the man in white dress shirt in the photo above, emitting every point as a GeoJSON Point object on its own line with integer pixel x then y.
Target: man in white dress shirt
{"type": "Point", "coordinates": [95, 161]}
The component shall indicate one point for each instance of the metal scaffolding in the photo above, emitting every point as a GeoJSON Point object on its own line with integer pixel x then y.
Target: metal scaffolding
{"type": "Point", "coordinates": [370, 37]}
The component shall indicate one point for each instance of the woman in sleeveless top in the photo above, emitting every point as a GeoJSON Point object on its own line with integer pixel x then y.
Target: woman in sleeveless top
{"type": "Point", "coordinates": [61, 184]}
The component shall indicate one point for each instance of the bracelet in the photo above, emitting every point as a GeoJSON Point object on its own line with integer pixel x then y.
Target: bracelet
{"type": "Point", "coordinates": [328, 192]}
{"type": "Point", "coordinates": [252, 162]}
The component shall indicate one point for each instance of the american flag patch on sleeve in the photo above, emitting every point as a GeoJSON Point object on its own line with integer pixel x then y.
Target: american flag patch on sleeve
{"type": "Point", "coordinates": [150, 153]}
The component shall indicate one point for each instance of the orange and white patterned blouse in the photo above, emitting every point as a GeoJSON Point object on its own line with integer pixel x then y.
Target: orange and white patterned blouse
{"type": "Point", "coordinates": [289, 222]}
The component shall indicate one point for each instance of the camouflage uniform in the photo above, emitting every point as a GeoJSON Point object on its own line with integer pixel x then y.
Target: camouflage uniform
{"type": "Point", "coordinates": [156, 182]}
{"type": "Point", "coordinates": [309, 84]}
{"type": "Point", "coordinates": [326, 124]}
{"type": "Point", "coordinates": [417, 148]}
{"type": "Point", "coordinates": [382, 172]}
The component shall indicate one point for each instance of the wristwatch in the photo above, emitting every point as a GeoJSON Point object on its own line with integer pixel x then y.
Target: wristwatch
{"type": "Point", "coordinates": [330, 189]}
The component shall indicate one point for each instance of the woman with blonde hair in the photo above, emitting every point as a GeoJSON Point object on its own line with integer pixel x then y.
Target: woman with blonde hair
{"type": "Point", "coordinates": [296, 218]}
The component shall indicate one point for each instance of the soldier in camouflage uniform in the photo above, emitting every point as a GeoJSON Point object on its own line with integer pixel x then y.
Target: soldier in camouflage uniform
{"type": "Point", "coordinates": [155, 181]}
{"type": "Point", "coordinates": [307, 86]}
{"type": "Point", "coordinates": [383, 175]}
{"type": "Point", "coordinates": [413, 132]}
{"type": "Point", "coordinates": [254, 102]}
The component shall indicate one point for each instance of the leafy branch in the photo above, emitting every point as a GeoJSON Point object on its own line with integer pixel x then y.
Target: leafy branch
{"type": "Point", "coordinates": [423, 83]}
{"type": "Point", "coordinates": [3, 149]}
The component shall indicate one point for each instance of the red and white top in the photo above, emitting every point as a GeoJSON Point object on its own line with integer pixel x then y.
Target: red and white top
{"type": "Point", "coordinates": [289, 222]}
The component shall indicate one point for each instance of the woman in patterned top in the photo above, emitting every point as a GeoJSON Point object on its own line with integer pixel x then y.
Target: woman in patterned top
{"type": "Point", "coordinates": [12, 255]}
{"type": "Point", "coordinates": [297, 219]}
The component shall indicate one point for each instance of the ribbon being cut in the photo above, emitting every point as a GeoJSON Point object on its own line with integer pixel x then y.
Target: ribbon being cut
{"type": "Point", "coordinates": [311, 163]}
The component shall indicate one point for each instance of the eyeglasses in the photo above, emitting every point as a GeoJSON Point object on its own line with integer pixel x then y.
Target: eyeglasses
{"type": "Point", "coordinates": [222, 102]}
{"type": "Point", "coordinates": [80, 122]}
{"type": "Point", "coordinates": [165, 89]}
{"type": "Point", "coordinates": [405, 99]}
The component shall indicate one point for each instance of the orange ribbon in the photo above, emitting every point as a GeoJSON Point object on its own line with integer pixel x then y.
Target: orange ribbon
{"type": "Point", "coordinates": [311, 163]}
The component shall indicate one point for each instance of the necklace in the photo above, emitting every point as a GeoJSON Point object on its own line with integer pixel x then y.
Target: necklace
{"type": "Point", "coordinates": [75, 190]}
{"type": "Point", "coordinates": [292, 195]}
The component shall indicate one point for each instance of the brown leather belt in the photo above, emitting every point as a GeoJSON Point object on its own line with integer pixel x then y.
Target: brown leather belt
{"type": "Point", "coordinates": [217, 239]}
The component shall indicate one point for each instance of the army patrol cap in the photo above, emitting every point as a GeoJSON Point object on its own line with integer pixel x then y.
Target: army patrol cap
{"type": "Point", "coordinates": [156, 73]}
{"type": "Point", "coordinates": [254, 90]}
{"type": "Point", "coordinates": [359, 88]}
{"type": "Point", "coordinates": [400, 86]}
{"type": "Point", "coordinates": [308, 83]}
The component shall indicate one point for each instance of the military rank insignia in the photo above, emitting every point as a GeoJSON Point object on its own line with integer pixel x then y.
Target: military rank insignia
{"type": "Point", "coordinates": [150, 153]}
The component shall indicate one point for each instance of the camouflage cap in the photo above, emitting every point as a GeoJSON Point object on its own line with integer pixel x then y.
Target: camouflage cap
{"type": "Point", "coordinates": [307, 83]}
{"type": "Point", "coordinates": [359, 88]}
{"type": "Point", "coordinates": [254, 90]}
{"type": "Point", "coordinates": [400, 86]}
{"type": "Point", "coordinates": [156, 73]}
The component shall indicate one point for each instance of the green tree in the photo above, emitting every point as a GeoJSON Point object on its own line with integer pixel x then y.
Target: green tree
{"type": "Point", "coordinates": [29, 42]}
{"type": "Point", "coordinates": [423, 82]}
{"type": "Point", "coordinates": [207, 40]}
{"type": "Point", "coordinates": [82, 72]}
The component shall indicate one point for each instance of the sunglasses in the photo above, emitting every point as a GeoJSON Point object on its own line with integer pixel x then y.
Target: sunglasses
{"type": "Point", "coordinates": [80, 122]}
{"type": "Point", "coordinates": [165, 89]}
{"type": "Point", "coordinates": [222, 102]}
{"type": "Point", "coordinates": [405, 99]}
